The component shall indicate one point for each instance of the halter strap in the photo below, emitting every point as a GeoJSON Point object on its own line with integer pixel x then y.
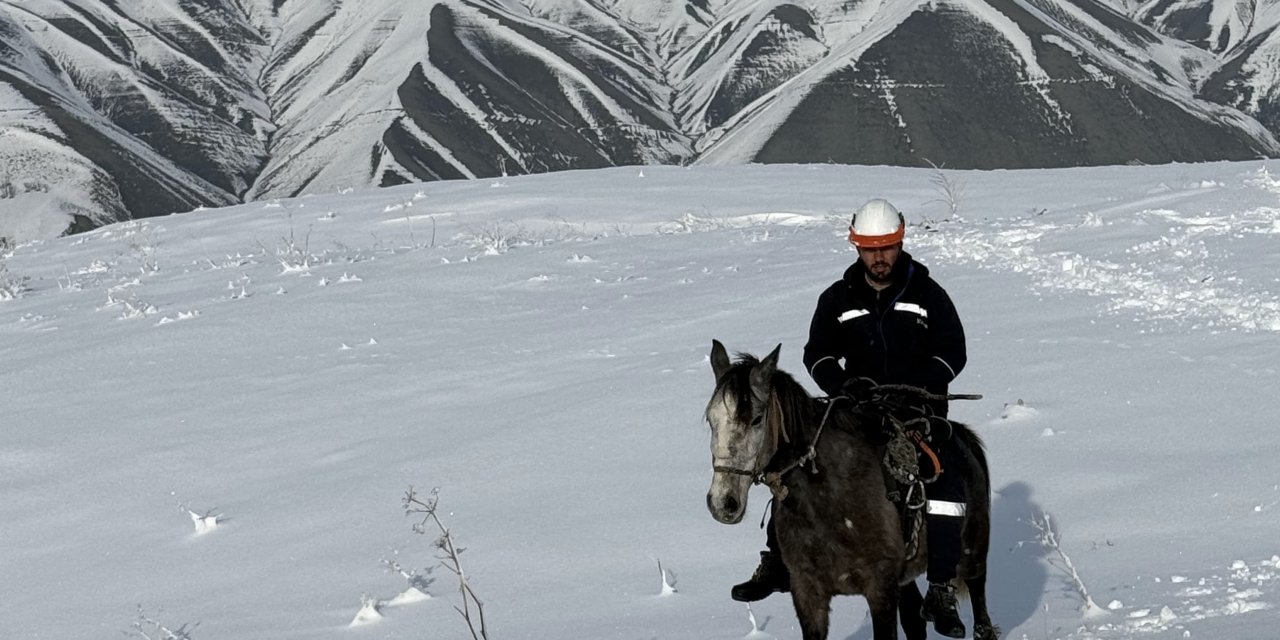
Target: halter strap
{"type": "Point", "coordinates": [737, 472]}
{"type": "Point", "coordinates": [777, 430]}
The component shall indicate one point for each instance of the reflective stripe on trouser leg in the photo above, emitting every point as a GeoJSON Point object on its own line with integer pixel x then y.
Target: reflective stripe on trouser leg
{"type": "Point", "coordinates": [945, 508]}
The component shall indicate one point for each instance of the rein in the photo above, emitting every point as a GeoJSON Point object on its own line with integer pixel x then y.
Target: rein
{"type": "Point", "coordinates": [773, 479]}
{"type": "Point", "coordinates": [917, 391]}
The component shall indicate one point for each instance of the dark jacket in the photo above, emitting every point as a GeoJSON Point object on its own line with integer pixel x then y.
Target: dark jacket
{"type": "Point", "coordinates": [908, 333]}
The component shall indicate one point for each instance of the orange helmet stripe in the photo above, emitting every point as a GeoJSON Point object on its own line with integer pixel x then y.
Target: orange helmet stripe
{"type": "Point", "coordinates": [872, 242]}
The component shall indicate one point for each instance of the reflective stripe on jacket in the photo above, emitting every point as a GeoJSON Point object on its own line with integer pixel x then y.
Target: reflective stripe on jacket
{"type": "Point", "coordinates": [908, 333]}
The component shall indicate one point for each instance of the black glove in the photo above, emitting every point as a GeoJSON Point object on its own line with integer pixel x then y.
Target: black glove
{"type": "Point", "coordinates": [859, 388]}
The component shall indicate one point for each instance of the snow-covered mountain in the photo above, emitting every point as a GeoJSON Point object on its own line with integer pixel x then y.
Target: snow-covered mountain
{"type": "Point", "coordinates": [1242, 36]}
{"type": "Point", "coordinates": [111, 110]}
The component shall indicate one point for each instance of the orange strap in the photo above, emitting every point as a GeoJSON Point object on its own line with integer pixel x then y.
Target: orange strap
{"type": "Point", "coordinates": [924, 446]}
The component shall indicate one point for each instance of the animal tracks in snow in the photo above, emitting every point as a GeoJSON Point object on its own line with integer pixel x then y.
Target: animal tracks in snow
{"type": "Point", "coordinates": [1237, 590]}
{"type": "Point", "coordinates": [1185, 277]}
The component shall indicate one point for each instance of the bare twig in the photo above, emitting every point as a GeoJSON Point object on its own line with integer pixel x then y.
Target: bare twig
{"type": "Point", "coordinates": [149, 629]}
{"type": "Point", "coordinates": [949, 189]}
{"type": "Point", "coordinates": [408, 222]}
{"type": "Point", "coordinates": [449, 557]}
{"type": "Point", "coordinates": [416, 579]}
{"type": "Point", "coordinates": [1047, 536]}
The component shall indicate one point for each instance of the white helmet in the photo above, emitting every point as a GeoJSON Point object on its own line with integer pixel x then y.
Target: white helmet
{"type": "Point", "coordinates": [877, 224]}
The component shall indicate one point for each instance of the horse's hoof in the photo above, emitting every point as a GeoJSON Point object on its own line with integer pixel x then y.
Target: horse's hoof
{"type": "Point", "coordinates": [986, 632]}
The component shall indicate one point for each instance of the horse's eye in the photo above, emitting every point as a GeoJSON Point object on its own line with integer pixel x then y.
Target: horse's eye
{"type": "Point", "coordinates": [757, 420]}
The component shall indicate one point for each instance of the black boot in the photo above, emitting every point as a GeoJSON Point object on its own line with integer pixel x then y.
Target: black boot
{"type": "Point", "coordinates": [771, 576]}
{"type": "Point", "coordinates": [940, 609]}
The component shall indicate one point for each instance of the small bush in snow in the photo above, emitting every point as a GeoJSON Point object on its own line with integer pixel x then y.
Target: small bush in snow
{"type": "Point", "coordinates": [142, 244]}
{"type": "Point", "coordinates": [564, 231]}
{"type": "Point", "coordinates": [497, 238]}
{"type": "Point", "coordinates": [294, 255]}
{"type": "Point", "coordinates": [11, 286]}
{"type": "Point", "coordinates": [949, 189]}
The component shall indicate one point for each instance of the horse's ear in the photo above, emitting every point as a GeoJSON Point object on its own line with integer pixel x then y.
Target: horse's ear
{"type": "Point", "coordinates": [762, 374]}
{"type": "Point", "coordinates": [772, 358]}
{"type": "Point", "coordinates": [719, 359]}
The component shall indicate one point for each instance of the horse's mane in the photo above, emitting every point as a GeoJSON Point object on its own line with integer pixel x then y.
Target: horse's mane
{"type": "Point", "coordinates": [799, 411]}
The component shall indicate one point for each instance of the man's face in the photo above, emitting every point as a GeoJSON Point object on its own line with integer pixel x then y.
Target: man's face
{"type": "Point", "coordinates": [880, 260]}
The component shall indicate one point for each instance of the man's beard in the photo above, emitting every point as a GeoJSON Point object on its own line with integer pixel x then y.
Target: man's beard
{"type": "Point", "coordinates": [880, 272]}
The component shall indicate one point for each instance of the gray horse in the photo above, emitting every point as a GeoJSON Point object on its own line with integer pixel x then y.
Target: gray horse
{"type": "Point", "coordinates": [838, 532]}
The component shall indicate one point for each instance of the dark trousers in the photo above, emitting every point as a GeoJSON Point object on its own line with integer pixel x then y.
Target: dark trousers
{"type": "Point", "coordinates": [944, 530]}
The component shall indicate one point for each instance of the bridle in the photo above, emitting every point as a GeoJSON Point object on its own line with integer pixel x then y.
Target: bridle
{"type": "Point", "coordinates": [778, 429]}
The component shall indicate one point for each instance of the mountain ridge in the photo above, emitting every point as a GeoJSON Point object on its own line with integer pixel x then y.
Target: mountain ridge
{"type": "Point", "coordinates": [117, 112]}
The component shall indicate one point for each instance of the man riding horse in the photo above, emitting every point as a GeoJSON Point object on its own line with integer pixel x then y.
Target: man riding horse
{"type": "Point", "coordinates": [887, 322]}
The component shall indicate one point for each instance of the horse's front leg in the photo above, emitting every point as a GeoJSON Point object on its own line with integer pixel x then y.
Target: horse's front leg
{"type": "Point", "coordinates": [909, 603]}
{"type": "Point", "coordinates": [883, 602]}
{"type": "Point", "coordinates": [813, 607]}
{"type": "Point", "coordinates": [983, 629]}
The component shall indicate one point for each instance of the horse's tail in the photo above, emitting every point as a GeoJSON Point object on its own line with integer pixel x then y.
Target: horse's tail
{"type": "Point", "coordinates": [977, 526]}
{"type": "Point", "coordinates": [973, 442]}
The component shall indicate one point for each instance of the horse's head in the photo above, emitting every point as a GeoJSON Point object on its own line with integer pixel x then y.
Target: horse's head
{"type": "Point", "coordinates": [743, 437]}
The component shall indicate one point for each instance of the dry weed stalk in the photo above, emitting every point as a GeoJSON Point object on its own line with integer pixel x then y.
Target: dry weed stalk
{"type": "Point", "coordinates": [449, 558]}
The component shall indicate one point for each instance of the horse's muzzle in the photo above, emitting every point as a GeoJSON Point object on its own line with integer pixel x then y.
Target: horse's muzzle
{"type": "Point", "coordinates": [725, 507]}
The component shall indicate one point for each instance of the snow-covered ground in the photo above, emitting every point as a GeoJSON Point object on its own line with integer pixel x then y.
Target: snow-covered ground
{"type": "Point", "coordinates": [210, 419]}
